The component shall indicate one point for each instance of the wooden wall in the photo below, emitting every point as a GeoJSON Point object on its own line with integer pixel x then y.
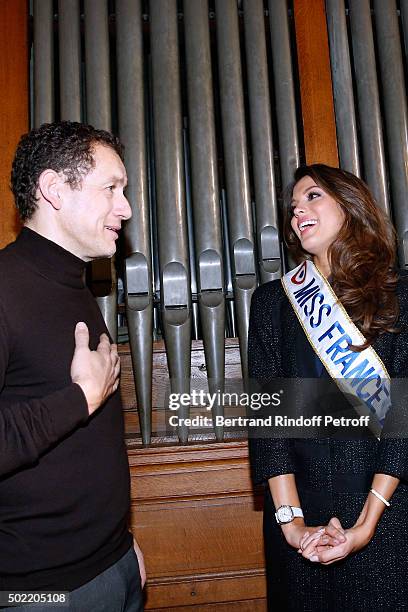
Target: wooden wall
{"type": "Point", "coordinates": [312, 43]}
{"type": "Point", "coordinates": [14, 103]}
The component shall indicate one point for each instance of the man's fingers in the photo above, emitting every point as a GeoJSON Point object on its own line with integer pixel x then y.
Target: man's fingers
{"type": "Point", "coordinates": [104, 343]}
{"type": "Point", "coordinates": [115, 360]}
{"type": "Point", "coordinates": [114, 354]}
{"type": "Point", "coordinates": [116, 370]}
{"type": "Point", "coordinates": [81, 335]}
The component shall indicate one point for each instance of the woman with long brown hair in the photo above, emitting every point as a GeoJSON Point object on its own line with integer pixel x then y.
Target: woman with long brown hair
{"type": "Point", "coordinates": [336, 505]}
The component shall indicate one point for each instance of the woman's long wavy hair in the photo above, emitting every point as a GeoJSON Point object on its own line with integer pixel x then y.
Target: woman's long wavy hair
{"type": "Point", "coordinates": [363, 256]}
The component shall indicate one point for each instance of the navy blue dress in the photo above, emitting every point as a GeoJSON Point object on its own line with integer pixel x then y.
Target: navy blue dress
{"type": "Point", "coordinates": [333, 476]}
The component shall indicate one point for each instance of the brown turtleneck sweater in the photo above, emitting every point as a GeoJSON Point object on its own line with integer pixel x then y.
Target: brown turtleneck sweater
{"type": "Point", "coordinates": [64, 477]}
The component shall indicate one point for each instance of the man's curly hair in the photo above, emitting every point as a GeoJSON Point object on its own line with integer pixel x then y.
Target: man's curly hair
{"type": "Point", "coordinates": [64, 146]}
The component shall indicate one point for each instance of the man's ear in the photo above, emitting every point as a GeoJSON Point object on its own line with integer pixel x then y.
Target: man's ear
{"type": "Point", "coordinates": [50, 184]}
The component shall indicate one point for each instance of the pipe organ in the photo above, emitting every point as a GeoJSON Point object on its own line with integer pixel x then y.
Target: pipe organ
{"type": "Point", "coordinates": [205, 96]}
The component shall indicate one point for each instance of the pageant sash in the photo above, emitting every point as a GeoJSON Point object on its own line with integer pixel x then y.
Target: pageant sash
{"type": "Point", "coordinates": [362, 377]}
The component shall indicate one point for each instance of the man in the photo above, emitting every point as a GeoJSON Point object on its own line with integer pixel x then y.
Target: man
{"type": "Point", "coordinates": [64, 476]}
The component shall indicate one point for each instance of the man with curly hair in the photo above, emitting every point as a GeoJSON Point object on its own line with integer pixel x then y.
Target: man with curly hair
{"type": "Point", "coordinates": [64, 476]}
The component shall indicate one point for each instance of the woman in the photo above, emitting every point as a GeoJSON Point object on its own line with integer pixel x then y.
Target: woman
{"type": "Point", "coordinates": [349, 551]}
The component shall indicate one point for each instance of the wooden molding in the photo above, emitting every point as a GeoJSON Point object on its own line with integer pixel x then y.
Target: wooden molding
{"type": "Point", "coordinates": [163, 463]}
{"type": "Point", "coordinates": [217, 590]}
{"type": "Point", "coordinates": [316, 90]}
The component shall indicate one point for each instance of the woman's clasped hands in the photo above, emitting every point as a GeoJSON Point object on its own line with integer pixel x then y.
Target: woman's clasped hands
{"type": "Point", "coordinates": [332, 543]}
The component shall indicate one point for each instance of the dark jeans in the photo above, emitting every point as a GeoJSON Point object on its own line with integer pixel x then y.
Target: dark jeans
{"type": "Point", "coordinates": [117, 589]}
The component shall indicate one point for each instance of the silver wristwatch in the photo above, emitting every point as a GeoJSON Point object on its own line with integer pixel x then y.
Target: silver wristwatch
{"type": "Point", "coordinates": [286, 514]}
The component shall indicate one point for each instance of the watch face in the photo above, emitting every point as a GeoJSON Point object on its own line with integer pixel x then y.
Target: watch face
{"type": "Point", "coordinates": [285, 514]}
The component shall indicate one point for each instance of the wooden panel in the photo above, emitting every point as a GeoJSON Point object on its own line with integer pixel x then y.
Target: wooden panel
{"type": "Point", "coordinates": [315, 82]}
{"type": "Point", "coordinates": [176, 470]}
{"type": "Point", "coordinates": [212, 538]}
{"type": "Point", "coordinates": [206, 521]}
{"type": "Point", "coordinates": [169, 488]}
{"type": "Point", "coordinates": [13, 103]}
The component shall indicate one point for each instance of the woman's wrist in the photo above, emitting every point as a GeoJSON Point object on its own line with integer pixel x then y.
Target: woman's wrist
{"type": "Point", "coordinates": [366, 529]}
{"type": "Point", "coordinates": [293, 531]}
{"type": "Point", "coordinates": [296, 523]}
